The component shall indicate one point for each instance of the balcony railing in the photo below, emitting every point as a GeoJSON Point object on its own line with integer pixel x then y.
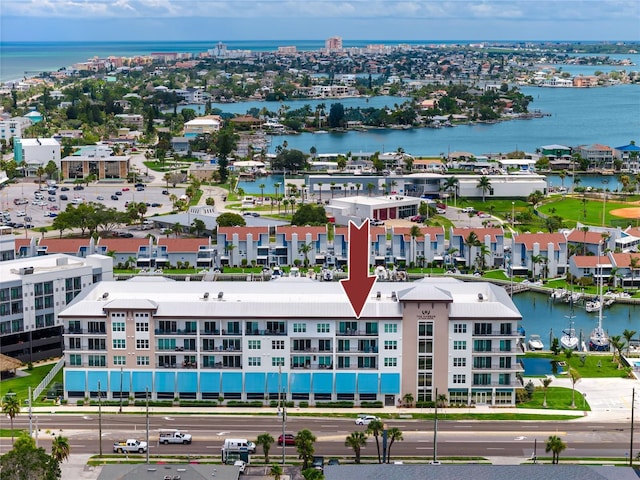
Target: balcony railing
{"type": "Point", "coordinates": [496, 334]}
{"type": "Point", "coordinates": [512, 351]}
{"type": "Point", "coordinates": [361, 333]}
{"type": "Point", "coordinates": [370, 350]}
{"type": "Point", "coordinates": [312, 367]}
{"type": "Point", "coordinates": [512, 384]}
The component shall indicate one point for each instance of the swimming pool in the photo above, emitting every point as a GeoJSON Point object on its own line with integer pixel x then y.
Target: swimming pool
{"type": "Point", "coordinates": [536, 367]}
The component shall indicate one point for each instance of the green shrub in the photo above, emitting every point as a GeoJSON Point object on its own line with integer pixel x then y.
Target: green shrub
{"type": "Point", "coordinates": [239, 403]}
{"type": "Point", "coordinates": [430, 404]}
{"type": "Point", "coordinates": [304, 404]}
{"type": "Point", "coordinates": [198, 403]}
{"type": "Point", "coordinates": [80, 403]}
{"type": "Point", "coordinates": [339, 404]}
{"type": "Point", "coordinates": [154, 403]}
{"type": "Point", "coordinates": [376, 404]}
{"type": "Point", "coordinates": [276, 404]}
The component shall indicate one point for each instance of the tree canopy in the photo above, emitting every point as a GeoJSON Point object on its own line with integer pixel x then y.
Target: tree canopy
{"type": "Point", "coordinates": [290, 160]}
{"type": "Point", "coordinates": [229, 219]}
{"type": "Point", "coordinates": [27, 462]}
{"type": "Point", "coordinates": [309, 214]}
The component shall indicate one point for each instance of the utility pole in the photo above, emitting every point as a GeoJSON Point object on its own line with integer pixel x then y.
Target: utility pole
{"type": "Point", "coordinates": [146, 390]}
{"type": "Point", "coordinates": [284, 425]}
{"type": "Point", "coordinates": [633, 404]}
{"type": "Point", "coordinates": [30, 416]}
{"type": "Point", "coordinates": [100, 418]}
{"type": "Point", "coordinates": [435, 430]}
{"type": "Point", "coordinates": [120, 410]}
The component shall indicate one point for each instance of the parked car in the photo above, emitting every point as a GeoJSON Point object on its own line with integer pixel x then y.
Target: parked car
{"type": "Point", "coordinates": [114, 197]}
{"type": "Point", "coordinates": [374, 222]}
{"type": "Point", "coordinates": [440, 211]}
{"type": "Point", "coordinates": [125, 189]}
{"type": "Point", "coordinates": [140, 189]}
{"type": "Point", "coordinates": [64, 189]}
{"type": "Point", "coordinates": [483, 215]}
{"type": "Point", "coordinates": [118, 193]}
{"type": "Point", "coordinates": [155, 204]}
{"type": "Point", "coordinates": [366, 419]}
{"type": "Point", "coordinates": [64, 197]}
{"type": "Point", "coordinates": [289, 439]}
{"type": "Point", "coordinates": [21, 213]}
{"type": "Point", "coordinates": [418, 218]}
{"type": "Point", "coordinates": [468, 210]}
{"type": "Point", "coordinates": [51, 199]}
{"type": "Point", "coordinates": [78, 187]}
{"type": "Point", "coordinates": [139, 185]}
{"type": "Point", "coordinates": [165, 192]}
{"type": "Point", "coordinates": [99, 197]}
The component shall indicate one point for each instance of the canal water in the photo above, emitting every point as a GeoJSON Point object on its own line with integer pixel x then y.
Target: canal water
{"type": "Point", "coordinates": [547, 318]}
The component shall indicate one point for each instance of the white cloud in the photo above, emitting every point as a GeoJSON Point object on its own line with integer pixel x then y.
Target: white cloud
{"type": "Point", "coordinates": [535, 10]}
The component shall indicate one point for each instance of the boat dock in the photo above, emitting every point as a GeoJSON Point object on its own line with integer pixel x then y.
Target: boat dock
{"type": "Point", "coordinates": [516, 288]}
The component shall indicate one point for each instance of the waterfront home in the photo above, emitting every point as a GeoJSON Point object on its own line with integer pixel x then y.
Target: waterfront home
{"type": "Point", "coordinates": [630, 157]}
{"type": "Point", "coordinates": [586, 240]}
{"type": "Point", "coordinates": [422, 249]}
{"type": "Point", "coordinates": [379, 251]}
{"type": "Point", "coordinates": [251, 243]}
{"type": "Point", "coordinates": [625, 269]}
{"type": "Point", "coordinates": [295, 240]}
{"type": "Point", "coordinates": [555, 151]}
{"type": "Point", "coordinates": [591, 269]}
{"type": "Point", "coordinates": [599, 156]}
{"type": "Point", "coordinates": [546, 252]}
{"type": "Point", "coordinates": [489, 251]}
{"type": "Point", "coordinates": [202, 125]}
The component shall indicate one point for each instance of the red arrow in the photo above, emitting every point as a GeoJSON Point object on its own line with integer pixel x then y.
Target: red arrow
{"type": "Point", "coordinates": [359, 284]}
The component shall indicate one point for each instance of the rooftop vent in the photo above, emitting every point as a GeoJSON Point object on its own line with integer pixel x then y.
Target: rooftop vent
{"type": "Point", "coordinates": [480, 297]}
{"type": "Point", "coordinates": [220, 295]}
{"type": "Point", "coordinates": [394, 296]}
{"type": "Point", "coordinates": [378, 295]}
{"type": "Point", "coordinates": [105, 295]}
{"type": "Point", "coordinates": [26, 271]}
{"type": "Point", "coordinates": [205, 296]}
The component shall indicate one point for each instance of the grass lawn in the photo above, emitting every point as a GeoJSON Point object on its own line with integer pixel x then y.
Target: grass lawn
{"type": "Point", "coordinates": [20, 385]}
{"type": "Point", "coordinates": [558, 398]}
{"type": "Point", "coordinates": [595, 365]}
{"type": "Point", "coordinates": [574, 208]}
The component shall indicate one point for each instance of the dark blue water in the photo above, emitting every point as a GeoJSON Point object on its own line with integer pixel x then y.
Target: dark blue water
{"type": "Point", "coordinates": [538, 367]}
{"type": "Point", "coordinates": [546, 318]}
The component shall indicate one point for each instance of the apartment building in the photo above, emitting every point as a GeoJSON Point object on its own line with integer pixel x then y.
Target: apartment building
{"type": "Point", "coordinates": [32, 293]}
{"type": "Point", "coordinates": [32, 153]}
{"type": "Point", "coordinates": [293, 335]}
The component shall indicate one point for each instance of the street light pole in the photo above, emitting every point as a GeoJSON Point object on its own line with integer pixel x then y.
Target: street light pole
{"type": "Point", "coordinates": [633, 404]}
{"type": "Point", "coordinates": [513, 215]}
{"type": "Point", "coordinates": [435, 430]}
{"type": "Point", "coordinates": [146, 391]}
{"type": "Point", "coordinates": [120, 410]}
{"type": "Point", "coordinates": [100, 417]}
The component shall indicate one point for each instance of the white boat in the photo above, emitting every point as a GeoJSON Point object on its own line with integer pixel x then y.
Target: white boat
{"type": "Point", "coordinates": [608, 302]}
{"type": "Point", "coordinates": [558, 294]}
{"type": "Point", "coordinates": [599, 340]}
{"type": "Point", "coordinates": [535, 342]}
{"type": "Point", "coordinates": [568, 340]}
{"type": "Point", "coordinates": [592, 306]}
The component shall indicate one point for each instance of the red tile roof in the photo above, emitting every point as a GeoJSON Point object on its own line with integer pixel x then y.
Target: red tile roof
{"type": "Point", "coordinates": [528, 239]}
{"type": "Point", "coordinates": [302, 232]}
{"type": "Point", "coordinates": [22, 242]}
{"type": "Point", "coordinates": [124, 244]}
{"type": "Point", "coordinates": [373, 231]}
{"type": "Point", "coordinates": [406, 231]}
{"type": "Point", "coordinates": [577, 236]}
{"type": "Point", "coordinates": [480, 232]}
{"type": "Point", "coordinates": [242, 232]}
{"type": "Point", "coordinates": [63, 245]}
{"type": "Point", "coordinates": [591, 261]}
{"type": "Point", "coordinates": [623, 260]}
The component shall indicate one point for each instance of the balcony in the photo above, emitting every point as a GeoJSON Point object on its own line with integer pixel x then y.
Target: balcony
{"type": "Point", "coordinates": [312, 367]}
{"type": "Point", "coordinates": [77, 331]}
{"type": "Point", "coordinates": [351, 333]}
{"type": "Point", "coordinates": [231, 332]}
{"type": "Point", "coordinates": [366, 350]}
{"type": "Point", "coordinates": [496, 334]}
{"type": "Point", "coordinates": [513, 384]}
{"type": "Point", "coordinates": [512, 351]}
{"type": "Point", "coordinates": [210, 332]}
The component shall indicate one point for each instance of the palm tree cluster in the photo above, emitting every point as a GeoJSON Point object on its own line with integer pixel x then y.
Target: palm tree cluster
{"type": "Point", "coordinates": [357, 440]}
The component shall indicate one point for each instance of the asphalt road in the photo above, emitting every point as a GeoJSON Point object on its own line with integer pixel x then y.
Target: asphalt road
{"type": "Point", "coordinates": [455, 438]}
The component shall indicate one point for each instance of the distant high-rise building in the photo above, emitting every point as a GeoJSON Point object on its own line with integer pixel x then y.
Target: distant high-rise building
{"type": "Point", "coordinates": [333, 43]}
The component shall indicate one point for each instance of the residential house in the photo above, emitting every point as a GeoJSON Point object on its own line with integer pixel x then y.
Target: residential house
{"type": "Point", "coordinates": [180, 146]}
{"type": "Point", "coordinates": [425, 248]}
{"type": "Point", "coordinates": [77, 247]}
{"type": "Point", "coordinates": [13, 127]}
{"type": "Point", "coordinates": [126, 251]}
{"type": "Point", "coordinates": [297, 239]}
{"type": "Point", "coordinates": [626, 269]}
{"type": "Point", "coordinates": [630, 156]}
{"type": "Point", "coordinates": [236, 244]}
{"type": "Point", "coordinates": [379, 250]}
{"type": "Point", "coordinates": [555, 151]}
{"type": "Point", "coordinates": [488, 250]}
{"type": "Point", "coordinates": [599, 156]}
{"type": "Point", "coordinates": [195, 252]}
{"type": "Point", "coordinates": [202, 125]}
{"type": "Point", "coordinates": [549, 249]}
{"type": "Point", "coordinates": [597, 269]}
{"type": "Point", "coordinates": [34, 153]}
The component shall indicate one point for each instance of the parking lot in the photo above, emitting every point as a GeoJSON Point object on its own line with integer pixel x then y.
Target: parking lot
{"type": "Point", "coordinates": [41, 212]}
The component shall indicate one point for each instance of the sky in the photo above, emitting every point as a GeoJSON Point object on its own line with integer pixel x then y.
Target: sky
{"type": "Point", "coordinates": [202, 20]}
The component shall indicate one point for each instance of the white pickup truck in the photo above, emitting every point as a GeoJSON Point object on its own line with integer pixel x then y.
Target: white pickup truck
{"type": "Point", "coordinates": [174, 436]}
{"type": "Point", "coordinates": [130, 446]}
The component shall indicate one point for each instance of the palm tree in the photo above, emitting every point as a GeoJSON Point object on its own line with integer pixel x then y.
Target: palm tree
{"type": "Point", "coordinates": [177, 229]}
{"type": "Point", "coordinates": [344, 187]}
{"type": "Point", "coordinates": [370, 187]}
{"type": "Point", "coordinates": [555, 445]}
{"type": "Point", "coordinates": [575, 378]}
{"type": "Point", "coordinates": [634, 262]}
{"type": "Point", "coordinates": [60, 448]}
{"type": "Point", "coordinates": [333, 188]}
{"type": "Point", "coordinates": [618, 344]}
{"type": "Point", "coordinates": [471, 241]}
{"type": "Point", "coordinates": [265, 440]}
{"type": "Point", "coordinates": [375, 429]}
{"type": "Point", "coordinates": [262, 187]}
{"type": "Point", "coordinates": [229, 247]}
{"type": "Point", "coordinates": [358, 185]}
{"type": "Point", "coordinates": [11, 408]}
{"type": "Point", "coordinates": [356, 440]}
{"type": "Point", "coordinates": [304, 249]}
{"type": "Point", "coordinates": [628, 336]}
{"type": "Point", "coordinates": [40, 172]}
{"type": "Point", "coordinates": [320, 190]}
{"type": "Point", "coordinates": [394, 435]}
{"type": "Point", "coordinates": [535, 260]}
{"type": "Point", "coordinates": [414, 232]}
{"type": "Point", "coordinates": [485, 185]}
{"type": "Point", "coordinates": [545, 385]}
{"type": "Point", "coordinates": [408, 399]}
{"type": "Point", "coordinates": [451, 184]}
{"type": "Point", "coordinates": [276, 471]}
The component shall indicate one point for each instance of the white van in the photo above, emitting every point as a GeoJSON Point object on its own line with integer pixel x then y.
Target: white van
{"type": "Point", "coordinates": [239, 445]}
{"type": "Point", "coordinates": [77, 201]}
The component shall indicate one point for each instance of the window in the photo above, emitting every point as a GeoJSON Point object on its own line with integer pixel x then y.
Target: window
{"type": "Point", "coordinates": [166, 344]}
{"type": "Point", "coordinates": [390, 328]}
{"type": "Point", "coordinates": [459, 378]}
{"type": "Point", "coordinates": [390, 362]}
{"type": "Point", "coordinates": [482, 345]}
{"type": "Point", "coordinates": [371, 328]}
{"type": "Point", "coordinates": [390, 344]}
{"type": "Point", "coordinates": [117, 326]}
{"type": "Point", "coordinates": [425, 329]}
{"type": "Point", "coordinates": [254, 361]}
{"type": "Point", "coordinates": [254, 344]}
{"type": "Point", "coordinates": [142, 360]}
{"type": "Point", "coordinates": [505, 362]}
{"type": "Point", "coordinates": [142, 344]}
{"type": "Point", "coordinates": [505, 345]}
{"type": "Point", "coordinates": [119, 360]}
{"type": "Point", "coordinates": [482, 379]}
{"type": "Point", "coordinates": [119, 344]}
{"type": "Point", "coordinates": [97, 344]}
{"type": "Point", "coordinates": [277, 344]}
{"type": "Point", "coordinates": [425, 346]}
{"type": "Point", "coordinates": [425, 363]}
{"type": "Point", "coordinates": [299, 328]}
{"type": "Point", "coordinates": [459, 345]}
{"type": "Point", "coordinates": [97, 361]}
{"type": "Point", "coordinates": [75, 360]}
{"type": "Point", "coordinates": [459, 362]}
{"type": "Point", "coordinates": [482, 329]}
{"type": "Point", "coordinates": [481, 362]}
{"type": "Point", "coordinates": [459, 328]}
{"type": "Point", "coordinates": [74, 343]}
{"type": "Point", "coordinates": [505, 329]}
{"type": "Point", "coordinates": [117, 315]}
{"type": "Point", "coordinates": [277, 361]}
{"type": "Point", "coordinates": [142, 326]}
{"type": "Point", "coordinates": [323, 328]}
{"type": "Point", "coordinates": [324, 345]}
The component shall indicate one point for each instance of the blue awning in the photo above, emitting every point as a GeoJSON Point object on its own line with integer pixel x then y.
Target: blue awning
{"type": "Point", "coordinates": [187, 382]}
{"type": "Point", "coordinates": [367, 383]}
{"type": "Point", "coordinates": [94, 378]}
{"type": "Point", "coordinates": [345, 383]}
{"type": "Point", "coordinates": [275, 380]}
{"type": "Point", "coordinates": [231, 382]}
{"type": "Point", "coordinates": [210, 382]}
{"type": "Point", "coordinates": [75, 381]}
{"type": "Point", "coordinates": [165, 382]}
{"type": "Point", "coordinates": [119, 383]}
{"type": "Point", "coordinates": [254, 382]}
{"type": "Point", "coordinates": [142, 381]}
{"type": "Point", "coordinates": [390, 383]}
{"type": "Point", "coordinates": [322, 382]}
{"type": "Point", "coordinates": [300, 383]}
